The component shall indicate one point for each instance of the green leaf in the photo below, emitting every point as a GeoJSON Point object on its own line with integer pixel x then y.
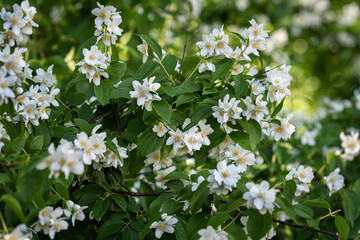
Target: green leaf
{"type": "Point", "coordinates": [258, 225]}
{"type": "Point", "coordinates": [318, 202]}
{"type": "Point", "coordinates": [222, 68]}
{"type": "Point", "coordinates": [61, 188]}
{"type": "Point", "coordinates": [304, 211]}
{"type": "Point", "coordinates": [169, 63]}
{"type": "Point", "coordinates": [120, 200]}
{"type": "Point", "coordinates": [85, 112]}
{"type": "Point", "coordinates": [350, 205]}
{"type": "Point", "coordinates": [79, 77]}
{"type": "Point", "coordinates": [255, 133]}
{"type": "Point", "coordinates": [177, 175]}
{"type": "Point", "coordinates": [189, 65]}
{"type": "Point", "coordinates": [202, 111]}
{"type": "Point", "coordinates": [342, 227]}
{"type": "Point", "coordinates": [146, 69]}
{"type": "Point", "coordinates": [218, 219]}
{"type": "Point", "coordinates": [241, 38]}
{"type": "Point", "coordinates": [112, 147]}
{"type": "Point", "coordinates": [236, 231]}
{"type": "Point", "coordinates": [10, 129]}
{"type": "Point", "coordinates": [100, 208]}
{"type": "Point", "coordinates": [241, 138]}
{"type": "Point", "coordinates": [181, 230]}
{"type": "Point", "coordinates": [75, 99]}
{"type": "Point", "coordinates": [122, 92]}
{"type": "Point", "coordinates": [199, 198]}
{"type": "Point", "coordinates": [289, 190]}
{"type": "Point", "coordinates": [155, 205]}
{"type": "Point", "coordinates": [104, 91]}
{"type": "Point", "coordinates": [184, 98]}
{"type": "Point", "coordinates": [241, 85]}
{"type": "Point", "coordinates": [111, 226]}
{"type": "Point", "coordinates": [152, 44]}
{"type": "Point", "coordinates": [29, 185]}
{"type": "Point", "coordinates": [83, 125]}
{"type": "Point", "coordinates": [175, 185]}
{"type": "Point", "coordinates": [148, 142]}
{"type": "Point", "coordinates": [36, 143]}
{"type": "Point", "coordinates": [15, 146]}
{"type": "Point", "coordinates": [278, 108]}
{"type": "Point", "coordinates": [162, 108]}
{"type": "Point", "coordinates": [116, 71]}
{"type": "Point", "coordinates": [14, 205]}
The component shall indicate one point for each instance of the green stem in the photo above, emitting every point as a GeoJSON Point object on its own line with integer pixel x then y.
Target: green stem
{"type": "Point", "coordinates": [3, 223]}
{"type": "Point", "coordinates": [194, 70]}
{"type": "Point", "coordinates": [168, 75]}
{"type": "Point", "coordinates": [232, 221]}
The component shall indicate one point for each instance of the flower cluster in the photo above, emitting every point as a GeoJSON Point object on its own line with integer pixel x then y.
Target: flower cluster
{"type": "Point", "coordinates": [145, 93]}
{"type": "Point", "coordinates": [277, 83]}
{"type": "Point", "coordinates": [66, 158]}
{"type": "Point", "coordinates": [302, 177]}
{"type": "Point", "coordinates": [94, 64]}
{"type": "Point", "coordinates": [107, 23]}
{"type": "Point", "coordinates": [260, 196]}
{"type": "Point", "coordinates": [74, 211]}
{"type": "Point", "coordinates": [166, 225]}
{"type": "Point", "coordinates": [51, 221]}
{"type": "Point", "coordinates": [210, 233]}
{"type": "Point", "coordinates": [223, 178]}
{"type": "Point", "coordinates": [308, 137]}
{"type": "Point", "coordinates": [217, 43]}
{"type": "Point", "coordinates": [350, 144]}
{"type": "Point", "coordinates": [21, 232]}
{"type": "Point", "coordinates": [35, 103]}
{"type": "Point", "coordinates": [227, 111]}
{"type": "Point", "coordinates": [240, 156]}
{"type": "Point", "coordinates": [334, 181]}
{"type": "Point", "coordinates": [18, 24]}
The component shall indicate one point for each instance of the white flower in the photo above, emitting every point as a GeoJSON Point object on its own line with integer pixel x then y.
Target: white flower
{"type": "Point", "coordinates": [205, 130]}
{"type": "Point", "coordinates": [255, 45]}
{"type": "Point", "coordinates": [21, 232]}
{"type": "Point", "coordinates": [167, 225]}
{"type": "Point", "coordinates": [207, 46]}
{"type": "Point", "coordinates": [143, 93]}
{"type": "Point", "coordinates": [242, 157]}
{"type": "Point", "coordinates": [207, 234]}
{"type": "Point", "coordinates": [334, 181]}
{"type": "Point", "coordinates": [206, 66]}
{"type": "Point", "coordinates": [176, 139]}
{"type": "Point", "coordinates": [143, 49]}
{"type": "Point", "coordinates": [196, 185]}
{"type": "Point", "coordinates": [256, 31]}
{"type": "Point", "coordinates": [102, 14]}
{"type": "Point", "coordinates": [47, 79]}
{"type": "Point", "coordinates": [93, 56]}
{"type": "Point", "coordinates": [260, 196]}
{"type": "Point", "coordinates": [193, 139]}
{"type": "Point", "coordinates": [350, 144]}
{"type": "Point", "coordinates": [284, 130]}
{"type": "Point", "coordinates": [308, 137]}
{"type": "Point", "coordinates": [82, 140]}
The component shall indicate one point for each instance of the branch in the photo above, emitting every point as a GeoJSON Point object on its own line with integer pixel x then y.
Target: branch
{"type": "Point", "coordinates": [138, 194]}
{"type": "Point", "coordinates": [109, 113]}
{"type": "Point", "coordinates": [182, 60]}
{"type": "Point", "coordinates": [308, 228]}
{"type": "Point", "coordinates": [262, 73]}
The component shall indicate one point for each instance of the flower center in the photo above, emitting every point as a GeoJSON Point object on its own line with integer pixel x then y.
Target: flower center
{"type": "Point", "coordinates": [192, 140]}
{"type": "Point", "coordinates": [225, 174]}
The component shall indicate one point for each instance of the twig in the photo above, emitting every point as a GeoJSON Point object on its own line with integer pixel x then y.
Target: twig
{"type": "Point", "coordinates": [330, 214]}
{"type": "Point", "coordinates": [109, 113]}
{"type": "Point", "coordinates": [232, 221]}
{"type": "Point", "coordinates": [182, 59]}
{"type": "Point", "coordinates": [194, 70]}
{"type": "Point", "coordinates": [262, 73]}
{"type": "Point", "coordinates": [66, 107]}
{"type": "Point", "coordinates": [308, 228]}
{"type": "Point", "coordinates": [138, 194]}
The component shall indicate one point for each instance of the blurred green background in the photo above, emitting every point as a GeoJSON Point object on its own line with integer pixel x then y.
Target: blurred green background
{"type": "Point", "coordinates": [319, 38]}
